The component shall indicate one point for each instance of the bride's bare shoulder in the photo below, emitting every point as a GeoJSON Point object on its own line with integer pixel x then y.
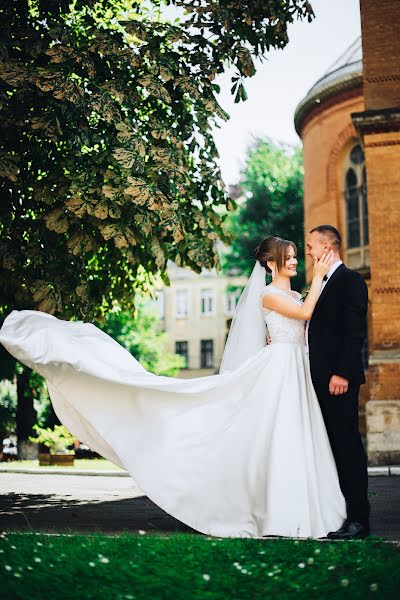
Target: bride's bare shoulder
{"type": "Point", "coordinates": [272, 289]}
{"type": "Point", "coordinates": [266, 291]}
{"type": "Point", "coordinates": [286, 303]}
{"type": "Point", "coordinates": [270, 292]}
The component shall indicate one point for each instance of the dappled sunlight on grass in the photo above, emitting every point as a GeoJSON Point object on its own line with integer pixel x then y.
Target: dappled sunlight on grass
{"type": "Point", "coordinates": [181, 566]}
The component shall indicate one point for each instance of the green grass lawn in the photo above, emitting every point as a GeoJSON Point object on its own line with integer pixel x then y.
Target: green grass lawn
{"type": "Point", "coordinates": [194, 567]}
{"type": "Point", "coordinates": [98, 464]}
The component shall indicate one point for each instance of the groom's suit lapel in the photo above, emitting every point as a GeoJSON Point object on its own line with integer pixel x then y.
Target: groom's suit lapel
{"type": "Point", "coordinates": [328, 284]}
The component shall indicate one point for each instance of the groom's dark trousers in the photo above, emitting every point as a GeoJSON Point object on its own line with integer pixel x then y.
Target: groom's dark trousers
{"type": "Point", "coordinates": [336, 335]}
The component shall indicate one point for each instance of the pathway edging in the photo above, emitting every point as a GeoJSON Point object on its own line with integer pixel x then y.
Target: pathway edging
{"type": "Point", "coordinates": [383, 471]}
{"type": "Point", "coordinates": [64, 471]}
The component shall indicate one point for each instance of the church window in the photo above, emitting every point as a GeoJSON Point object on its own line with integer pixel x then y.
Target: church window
{"type": "Point", "coordinates": [356, 208]}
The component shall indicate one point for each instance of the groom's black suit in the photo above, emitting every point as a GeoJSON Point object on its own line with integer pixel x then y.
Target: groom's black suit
{"type": "Point", "coordinates": [336, 334]}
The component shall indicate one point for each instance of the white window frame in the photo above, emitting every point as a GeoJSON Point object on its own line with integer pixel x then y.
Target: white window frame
{"type": "Point", "coordinates": [207, 302]}
{"type": "Point", "coordinates": [181, 304]}
{"type": "Point", "coordinates": [160, 303]}
{"type": "Point", "coordinates": [357, 257]}
{"type": "Point", "coordinates": [231, 297]}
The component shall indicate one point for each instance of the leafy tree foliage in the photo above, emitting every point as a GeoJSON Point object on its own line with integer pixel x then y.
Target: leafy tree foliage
{"type": "Point", "coordinates": [272, 181]}
{"type": "Point", "coordinates": [107, 162]}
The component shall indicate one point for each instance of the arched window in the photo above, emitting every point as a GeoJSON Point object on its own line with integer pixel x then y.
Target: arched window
{"type": "Point", "coordinates": [356, 209]}
{"type": "Point", "coordinates": [365, 207]}
{"type": "Point", "coordinates": [352, 210]}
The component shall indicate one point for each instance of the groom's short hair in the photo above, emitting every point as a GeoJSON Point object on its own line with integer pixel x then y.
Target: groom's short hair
{"type": "Point", "coordinates": [331, 233]}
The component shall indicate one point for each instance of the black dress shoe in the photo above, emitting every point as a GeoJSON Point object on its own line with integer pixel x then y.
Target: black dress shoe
{"type": "Point", "coordinates": [350, 530]}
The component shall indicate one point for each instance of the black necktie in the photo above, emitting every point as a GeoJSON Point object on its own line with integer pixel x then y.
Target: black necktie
{"type": "Point", "coordinates": [325, 278]}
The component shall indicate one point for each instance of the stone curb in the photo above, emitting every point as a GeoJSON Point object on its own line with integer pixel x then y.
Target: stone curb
{"type": "Point", "coordinates": [384, 471]}
{"type": "Point", "coordinates": [64, 471]}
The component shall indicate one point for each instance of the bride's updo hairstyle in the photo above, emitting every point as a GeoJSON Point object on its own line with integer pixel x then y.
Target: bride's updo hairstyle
{"type": "Point", "coordinates": [273, 249]}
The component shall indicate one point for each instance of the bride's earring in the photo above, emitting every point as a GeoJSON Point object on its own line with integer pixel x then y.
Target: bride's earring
{"type": "Point", "coordinates": [273, 273]}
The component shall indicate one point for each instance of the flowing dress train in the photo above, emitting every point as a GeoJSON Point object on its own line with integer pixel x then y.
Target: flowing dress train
{"type": "Point", "coordinates": [239, 454]}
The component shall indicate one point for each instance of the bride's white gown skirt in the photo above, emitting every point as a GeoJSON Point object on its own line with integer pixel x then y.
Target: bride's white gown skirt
{"type": "Point", "coordinates": [241, 454]}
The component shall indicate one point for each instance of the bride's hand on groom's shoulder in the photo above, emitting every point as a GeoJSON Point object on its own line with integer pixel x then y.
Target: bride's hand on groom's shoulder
{"type": "Point", "coordinates": [338, 385]}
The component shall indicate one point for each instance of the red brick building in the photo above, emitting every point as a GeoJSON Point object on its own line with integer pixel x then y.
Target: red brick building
{"type": "Point", "coordinates": [349, 123]}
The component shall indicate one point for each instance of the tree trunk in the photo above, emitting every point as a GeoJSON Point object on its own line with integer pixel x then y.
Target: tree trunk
{"type": "Point", "coordinates": [26, 417]}
{"type": "Point", "coordinates": [52, 418]}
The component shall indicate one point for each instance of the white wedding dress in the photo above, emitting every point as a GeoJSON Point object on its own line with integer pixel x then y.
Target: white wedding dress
{"type": "Point", "coordinates": [239, 454]}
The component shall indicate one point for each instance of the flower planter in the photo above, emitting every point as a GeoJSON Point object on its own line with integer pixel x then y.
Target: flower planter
{"type": "Point", "coordinates": [44, 459]}
{"type": "Point", "coordinates": [59, 460]}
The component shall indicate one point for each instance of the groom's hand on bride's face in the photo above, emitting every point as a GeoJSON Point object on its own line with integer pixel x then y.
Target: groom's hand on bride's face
{"type": "Point", "coordinates": [338, 385]}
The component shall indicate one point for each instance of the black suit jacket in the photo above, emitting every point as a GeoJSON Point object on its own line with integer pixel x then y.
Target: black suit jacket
{"type": "Point", "coordinates": [338, 328]}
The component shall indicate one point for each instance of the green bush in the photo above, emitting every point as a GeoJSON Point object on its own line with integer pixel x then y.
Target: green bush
{"type": "Point", "coordinates": [57, 440]}
{"type": "Point", "coordinates": [8, 407]}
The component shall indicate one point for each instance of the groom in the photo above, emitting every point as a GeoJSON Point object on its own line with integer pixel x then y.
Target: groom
{"type": "Point", "coordinates": [334, 337]}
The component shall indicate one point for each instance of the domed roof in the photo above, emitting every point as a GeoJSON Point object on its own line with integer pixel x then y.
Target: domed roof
{"type": "Point", "coordinates": [345, 73]}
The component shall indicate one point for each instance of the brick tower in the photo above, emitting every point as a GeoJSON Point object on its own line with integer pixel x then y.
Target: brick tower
{"type": "Point", "coordinates": [379, 128]}
{"type": "Point", "coordinates": [349, 123]}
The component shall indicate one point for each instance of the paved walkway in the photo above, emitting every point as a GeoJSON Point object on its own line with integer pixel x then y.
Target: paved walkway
{"type": "Point", "coordinates": [116, 504]}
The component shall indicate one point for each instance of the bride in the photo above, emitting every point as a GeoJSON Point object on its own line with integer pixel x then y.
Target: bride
{"type": "Point", "coordinates": [243, 453]}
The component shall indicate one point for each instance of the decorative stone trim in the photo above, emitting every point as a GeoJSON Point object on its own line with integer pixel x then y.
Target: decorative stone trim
{"type": "Point", "coordinates": [384, 356]}
{"type": "Point", "coordinates": [347, 134]}
{"type": "Point", "coordinates": [377, 121]}
{"type": "Point", "coordinates": [315, 104]}
{"type": "Point", "coordinates": [385, 290]}
{"type": "Point", "coordinates": [382, 79]}
{"type": "Point", "coordinates": [378, 144]}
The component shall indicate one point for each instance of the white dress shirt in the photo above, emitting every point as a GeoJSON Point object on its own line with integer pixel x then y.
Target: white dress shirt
{"type": "Point", "coordinates": [324, 282]}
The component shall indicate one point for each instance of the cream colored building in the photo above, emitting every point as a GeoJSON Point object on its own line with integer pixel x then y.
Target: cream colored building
{"type": "Point", "coordinates": [195, 311]}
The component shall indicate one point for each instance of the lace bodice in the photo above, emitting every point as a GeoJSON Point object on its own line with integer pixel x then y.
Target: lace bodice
{"type": "Point", "coordinates": [280, 328]}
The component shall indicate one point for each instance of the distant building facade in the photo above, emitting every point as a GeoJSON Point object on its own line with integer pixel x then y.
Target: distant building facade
{"type": "Point", "coordinates": [195, 311]}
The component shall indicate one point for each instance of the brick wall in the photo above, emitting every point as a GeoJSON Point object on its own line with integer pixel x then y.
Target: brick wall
{"type": "Point", "coordinates": [383, 178]}
{"type": "Point", "coordinates": [327, 136]}
{"type": "Point", "coordinates": [381, 80]}
{"type": "Point", "coordinates": [380, 22]}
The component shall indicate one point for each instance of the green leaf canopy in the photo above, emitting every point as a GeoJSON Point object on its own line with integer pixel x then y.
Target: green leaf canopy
{"type": "Point", "coordinates": [108, 167]}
